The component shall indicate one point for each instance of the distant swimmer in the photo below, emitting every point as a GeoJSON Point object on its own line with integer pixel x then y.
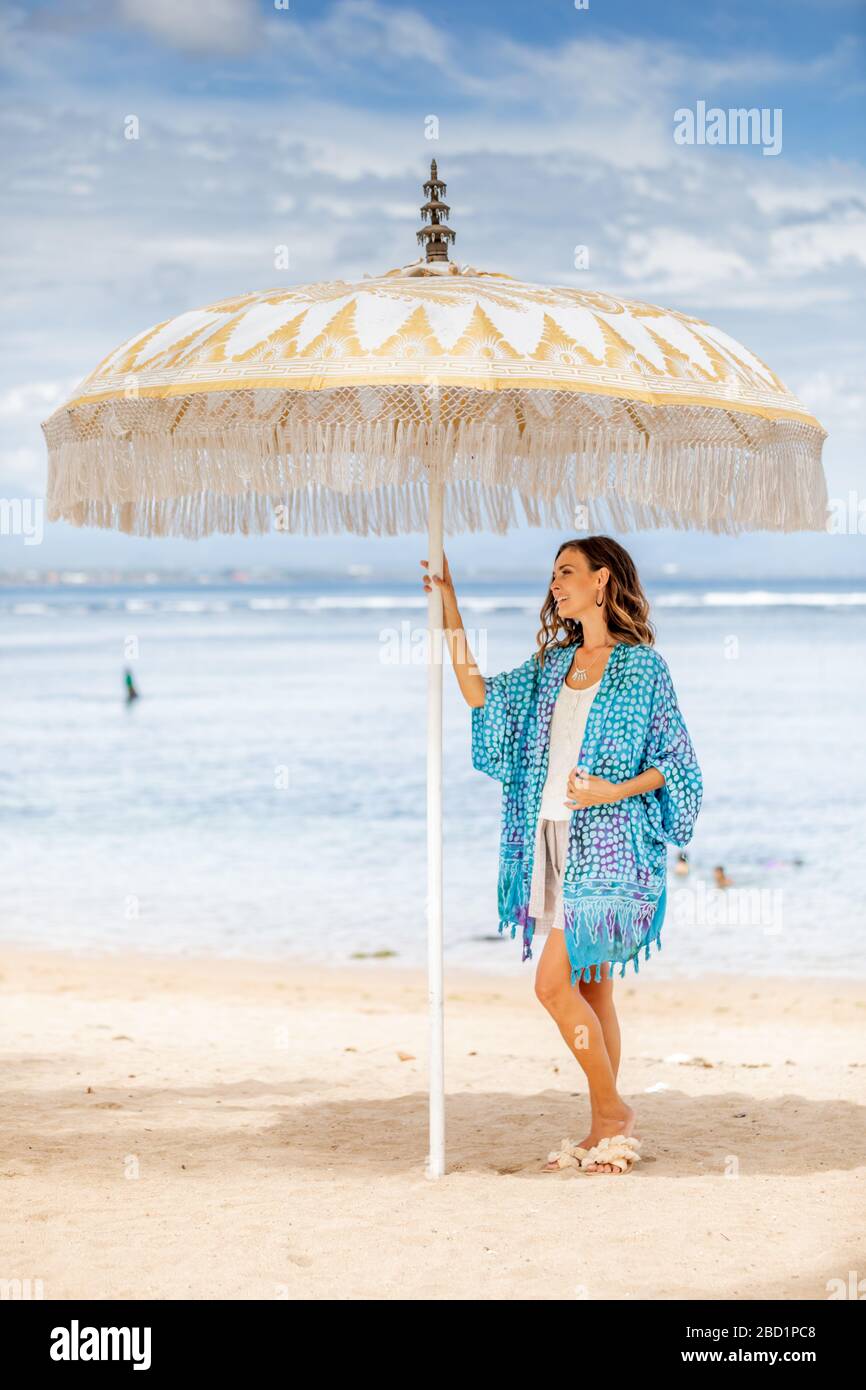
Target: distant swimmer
{"type": "Point", "coordinates": [721, 878]}
{"type": "Point", "coordinates": [682, 865]}
{"type": "Point", "coordinates": [131, 692]}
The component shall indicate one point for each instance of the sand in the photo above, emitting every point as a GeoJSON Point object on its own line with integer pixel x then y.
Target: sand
{"type": "Point", "coordinates": [249, 1130]}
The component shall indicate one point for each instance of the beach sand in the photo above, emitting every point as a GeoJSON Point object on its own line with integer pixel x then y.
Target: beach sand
{"type": "Point", "coordinates": [176, 1128]}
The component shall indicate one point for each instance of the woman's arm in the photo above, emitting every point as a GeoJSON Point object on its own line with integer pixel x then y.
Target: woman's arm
{"type": "Point", "coordinates": [648, 781]}
{"type": "Point", "coordinates": [670, 776]}
{"type": "Point", "coordinates": [597, 791]}
{"type": "Point", "coordinates": [469, 678]}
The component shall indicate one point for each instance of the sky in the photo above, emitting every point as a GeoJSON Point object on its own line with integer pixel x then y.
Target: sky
{"type": "Point", "coordinates": [305, 125]}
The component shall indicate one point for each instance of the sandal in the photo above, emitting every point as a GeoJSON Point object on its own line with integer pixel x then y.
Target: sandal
{"type": "Point", "coordinates": [620, 1152]}
{"type": "Point", "coordinates": [569, 1156]}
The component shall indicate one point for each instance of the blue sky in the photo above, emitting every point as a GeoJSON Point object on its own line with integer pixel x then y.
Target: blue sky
{"type": "Point", "coordinates": [305, 127]}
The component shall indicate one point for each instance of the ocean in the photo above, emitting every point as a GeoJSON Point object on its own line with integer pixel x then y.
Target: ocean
{"type": "Point", "coordinates": [265, 795]}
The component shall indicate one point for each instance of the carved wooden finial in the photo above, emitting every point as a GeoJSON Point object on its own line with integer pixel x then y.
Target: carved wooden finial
{"type": "Point", "coordinates": [436, 235]}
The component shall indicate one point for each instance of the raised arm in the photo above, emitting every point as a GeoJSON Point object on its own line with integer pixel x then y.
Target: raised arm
{"type": "Point", "coordinates": [469, 678]}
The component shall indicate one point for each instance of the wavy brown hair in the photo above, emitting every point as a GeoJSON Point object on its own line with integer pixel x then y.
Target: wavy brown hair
{"type": "Point", "coordinates": [625, 609]}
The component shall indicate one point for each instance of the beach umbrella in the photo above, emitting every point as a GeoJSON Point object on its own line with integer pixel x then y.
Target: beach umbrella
{"type": "Point", "coordinates": [433, 397]}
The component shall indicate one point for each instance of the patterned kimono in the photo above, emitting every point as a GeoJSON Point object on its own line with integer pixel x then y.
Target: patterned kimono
{"type": "Point", "coordinates": [616, 866]}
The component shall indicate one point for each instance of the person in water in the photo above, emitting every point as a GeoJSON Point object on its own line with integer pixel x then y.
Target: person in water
{"type": "Point", "coordinates": [131, 692]}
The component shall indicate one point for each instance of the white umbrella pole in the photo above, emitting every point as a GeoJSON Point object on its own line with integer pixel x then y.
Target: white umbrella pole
{"type": "Point", "coordinates": [435, 987]}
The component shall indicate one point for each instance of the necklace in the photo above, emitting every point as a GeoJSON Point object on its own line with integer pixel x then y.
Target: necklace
{"type": "Point", "coordinates": [580, 675]}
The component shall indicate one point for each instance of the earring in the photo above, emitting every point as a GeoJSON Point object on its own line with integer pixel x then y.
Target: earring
{"type": "Point", "coordinates": [599, 599]}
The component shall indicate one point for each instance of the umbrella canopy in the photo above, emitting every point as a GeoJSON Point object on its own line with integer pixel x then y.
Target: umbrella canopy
{"type": "Point", "coordinates": [331, 401]}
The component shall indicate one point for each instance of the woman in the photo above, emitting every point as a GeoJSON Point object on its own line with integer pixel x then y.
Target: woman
{"type": "Point", "coordinates": [598, 776]}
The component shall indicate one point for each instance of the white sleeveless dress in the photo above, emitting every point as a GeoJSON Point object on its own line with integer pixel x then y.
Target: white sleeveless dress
{"type": "Point", "coordinates": [554, 818]}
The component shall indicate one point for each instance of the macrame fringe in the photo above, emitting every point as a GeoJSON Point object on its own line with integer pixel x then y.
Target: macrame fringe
{"type": "Point", "coordinates": [202, 473]}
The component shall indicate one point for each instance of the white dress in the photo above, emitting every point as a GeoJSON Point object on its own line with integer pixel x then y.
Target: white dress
{"type": "Point", "coordinates": [567, 727]}
{"type": "Point", "coordinates": [566, 735]}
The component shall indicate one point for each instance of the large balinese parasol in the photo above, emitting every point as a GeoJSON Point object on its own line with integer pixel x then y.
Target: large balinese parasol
{"type": "Point", "coordinates": [433, 396]}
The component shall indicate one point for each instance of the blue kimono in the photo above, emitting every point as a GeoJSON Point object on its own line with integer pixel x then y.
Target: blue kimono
{"type": "Point", "coordinates": [614, 879]}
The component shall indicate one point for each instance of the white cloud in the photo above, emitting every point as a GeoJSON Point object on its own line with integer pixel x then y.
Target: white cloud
{"type": "Point", "coordinates": [31, 399]}
{"type": "Point", "coordinates": [365, 30]}
{"type": "Point", "coordinates": [771, 66]}
{"type": "Point", "coordinates": [679, 261]}
{"type": "Point", "coordinates": [814, 246]}
{"type": "Point", "coordinates": [836, 184]}
{"type": "Point", "coordinates": [196, 26]}
{"type": "Point", "coordinates": [22, 472]}
{"type": "Point", "coordinates": [334, 205]}
{"type": "Point", "coordinates": [838, 395]}
{"type": "Point", "coordinates": [198, 250]}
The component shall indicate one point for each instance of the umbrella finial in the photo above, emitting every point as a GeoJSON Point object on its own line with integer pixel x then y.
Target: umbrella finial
{"type": "Point", "coordinates": [436, 236]}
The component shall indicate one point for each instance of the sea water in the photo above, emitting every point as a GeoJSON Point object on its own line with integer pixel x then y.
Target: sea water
{"type": "Point", "coordinates": [265, 795]}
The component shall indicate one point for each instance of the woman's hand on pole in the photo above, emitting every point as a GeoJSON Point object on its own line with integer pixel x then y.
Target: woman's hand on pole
{"type": "Point", "coordinates": [443, 582]}
{"type": "Point", "coordinates": [469, 678]}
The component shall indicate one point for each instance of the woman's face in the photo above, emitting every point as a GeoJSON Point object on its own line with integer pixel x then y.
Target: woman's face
{"type": "Point", "coordinates": [574, 585]}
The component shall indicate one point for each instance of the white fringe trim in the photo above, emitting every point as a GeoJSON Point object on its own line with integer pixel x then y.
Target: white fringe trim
{"type": "Point", "coordinates": [181, 468]}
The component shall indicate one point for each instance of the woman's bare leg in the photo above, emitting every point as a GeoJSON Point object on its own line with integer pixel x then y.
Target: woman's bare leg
{"type": "Point", "coordinates": [599, 995]}
{"type": "Point", "coordinates": [586, 1032]}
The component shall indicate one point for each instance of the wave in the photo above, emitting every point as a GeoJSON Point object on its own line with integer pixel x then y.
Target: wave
{"type": "Point", "coordinates": [760, 598]}
{"type": "Point", "coordinates": [396, 602]}
{"type": "Point", "coordinates": [531, 603]}
{"type": "Point", "coordinates": [33, 610]}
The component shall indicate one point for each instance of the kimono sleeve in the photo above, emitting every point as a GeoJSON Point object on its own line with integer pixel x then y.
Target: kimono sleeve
{"type": "Point", "coordinates": [498, 723]}
{"type": "Point", "coordinates": [673, 807]}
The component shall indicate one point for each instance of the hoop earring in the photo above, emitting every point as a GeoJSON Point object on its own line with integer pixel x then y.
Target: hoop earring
{"type": "Point", "coordinates": [600, 600]}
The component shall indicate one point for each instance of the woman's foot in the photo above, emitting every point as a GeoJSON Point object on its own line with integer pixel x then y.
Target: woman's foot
{"type": "Point", "coordinates": [568, 1155]}
{"type": "Point", "coordinates": [588, 1143]}
{"type": "Point", "coordinates": [608, 1127]}
{"type": "Point", "coordinates": [604, 1127]}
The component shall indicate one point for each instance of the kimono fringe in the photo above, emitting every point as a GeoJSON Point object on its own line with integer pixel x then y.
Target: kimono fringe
{"type": "Point", "coordinates": [584, 919]}
{"type": "Point", "coordinates": [510, 886]}
{"type": "Point", "coordinates": [197, 465]}
{"type": "Point", "coordinates": [578, 973]}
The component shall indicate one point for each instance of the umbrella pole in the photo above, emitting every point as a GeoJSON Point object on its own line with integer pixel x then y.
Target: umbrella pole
{"type": "Point", "coordinates": [435, 987]}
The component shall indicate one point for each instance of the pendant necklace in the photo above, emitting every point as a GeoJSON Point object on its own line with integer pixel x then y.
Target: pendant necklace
{"type": "Point", "coordinates": [581, 675]}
